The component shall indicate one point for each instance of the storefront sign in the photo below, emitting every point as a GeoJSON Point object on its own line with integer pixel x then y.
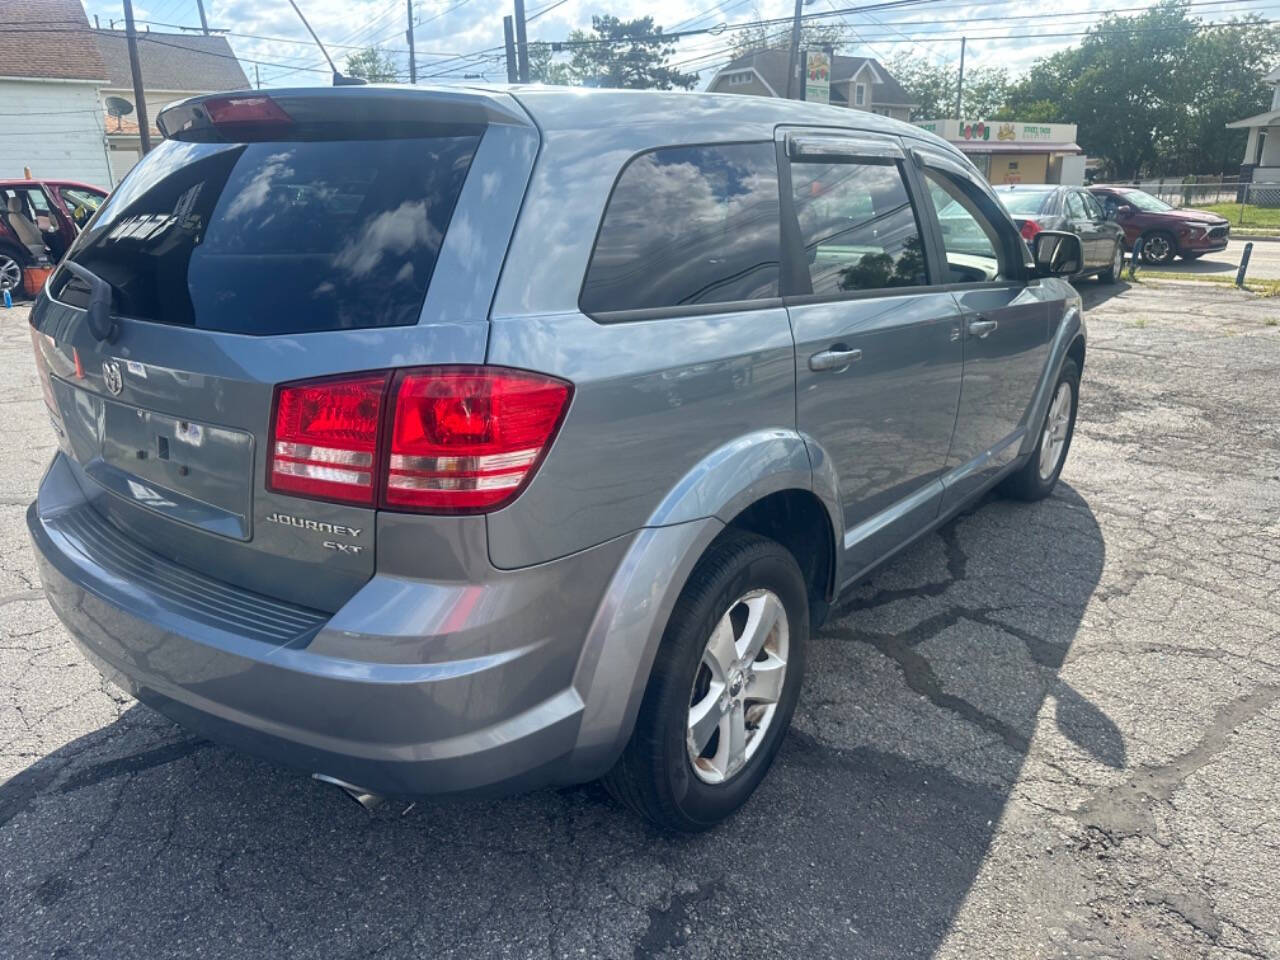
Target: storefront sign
{"type": "Point", "coordinates": [817, 76]}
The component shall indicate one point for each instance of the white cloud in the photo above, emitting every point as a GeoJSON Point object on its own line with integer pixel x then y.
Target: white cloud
{"type": "Point", "coordinates": [474, 27]}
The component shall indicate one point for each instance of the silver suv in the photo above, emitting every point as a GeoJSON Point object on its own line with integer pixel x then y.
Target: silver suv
{"type": "Point", "coordinates": [472, 440]}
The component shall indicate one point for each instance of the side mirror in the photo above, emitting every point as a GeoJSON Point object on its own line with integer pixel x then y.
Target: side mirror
{"type": "Point", "coordinates": [1124, 210]}
{"type": "Point", "coordinates": [1057, 253]}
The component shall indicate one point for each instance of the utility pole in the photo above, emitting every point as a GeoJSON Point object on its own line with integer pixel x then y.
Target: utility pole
{"type": "Point", "coordinates": [794, 57]}
{"type": "Point", "coordinates": [413, 63]}
{"type": "Point", "coordinates": [960, 84]}
{"type": "Point", "coordinates": [204, 22]}
{"type": "Point", "coordinates": [508, 36]}
{"type": "Point", "coordinates": [522, 44]}
{"type": "Point", "coordinates": [135, 68]}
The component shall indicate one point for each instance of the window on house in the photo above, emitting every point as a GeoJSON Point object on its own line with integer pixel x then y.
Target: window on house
{"type": "Point", "coordinates": [860, 94]}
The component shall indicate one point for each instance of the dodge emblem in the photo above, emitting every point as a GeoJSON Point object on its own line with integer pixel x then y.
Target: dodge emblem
{"type": "Point", "coordinates": [111, 376]}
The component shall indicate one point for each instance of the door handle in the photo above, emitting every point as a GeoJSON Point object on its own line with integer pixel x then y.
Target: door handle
{"type": "Point", "coordinates": [837, 358]}
{"type": "Point", "coordinates": [982, 327]}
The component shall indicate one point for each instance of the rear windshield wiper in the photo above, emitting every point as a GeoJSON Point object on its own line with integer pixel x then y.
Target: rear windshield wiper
{"type": "Point", "coordinates": [101, 323]}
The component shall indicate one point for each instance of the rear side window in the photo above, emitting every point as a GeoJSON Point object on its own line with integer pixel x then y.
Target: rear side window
{"type": "Point", "coordinates": [688, 225]}
{"type": "Point", "coordinates": [857, 225]}
{"type": "Point", "coordinates": [277, 237]}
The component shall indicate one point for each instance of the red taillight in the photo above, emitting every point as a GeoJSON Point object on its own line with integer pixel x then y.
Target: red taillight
{"type": "Point", "coordinates": [467, 439]}
{"type": "Point", "coordinates": [325, 439]}
{"type": "Point", "coordinates": [1029, 230]}
{"type": "Point", "coordinates": [460, 439]}
{"type": "Point", "coordinates": [245, 109]}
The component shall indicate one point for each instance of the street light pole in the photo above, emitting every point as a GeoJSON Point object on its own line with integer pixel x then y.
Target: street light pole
{"type": "Point", "coordinates": [413, 63]}
{"type": "Point", "coordinates": [960, 84]}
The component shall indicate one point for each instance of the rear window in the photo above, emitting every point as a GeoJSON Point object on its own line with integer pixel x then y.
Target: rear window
{"type": "Point", "coordinates": [277, 237]}
{"type": "Point", "coordinates": [1023, 201]}
{"type": "Point", "coordinates": [688, 225]}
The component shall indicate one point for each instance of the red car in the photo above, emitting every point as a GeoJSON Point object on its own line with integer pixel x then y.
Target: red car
{"type": "Point", "coordinates": [1166, 231]}
{"type": "Point", "coordinates": [39, 220]}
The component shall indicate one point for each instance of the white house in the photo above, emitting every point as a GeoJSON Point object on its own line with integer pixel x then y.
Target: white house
{"type": "Point", "coordinates": [50, 72]}
{"type": "Point", "coordinates": [56, 74]}
{"type": "Point", "coordinates": [861, 83]}
{"type": "Point", "coordinates": [174, 67]}
{"type": "Point", "coordinates": [1262, 149]}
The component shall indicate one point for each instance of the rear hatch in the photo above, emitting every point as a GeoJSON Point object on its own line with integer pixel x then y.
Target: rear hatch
{"type": "Point", "coordinates": [311, 234]}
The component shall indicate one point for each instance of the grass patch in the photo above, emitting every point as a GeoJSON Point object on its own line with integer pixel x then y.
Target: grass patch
{"type": "Point", "coordinates": [1254, 215]}
{"type": "Point", "coordinates": [1265, 288]}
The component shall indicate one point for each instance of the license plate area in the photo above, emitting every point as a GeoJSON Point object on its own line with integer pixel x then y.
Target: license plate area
{"type": "Point", "coordinates": [195, 473]}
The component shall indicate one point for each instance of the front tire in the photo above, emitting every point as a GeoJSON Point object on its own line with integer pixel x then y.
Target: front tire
{"type": "Point", "coordinates": [1159, 248]}
{"type": "Point", "coordinates": [1113, 272]}
{"type": "Point", "coordinates": [1036, 478]}
{"type": "Point", "coordinates": [10, 273]}
{"type": "Point", "coordinates": [723, 688]}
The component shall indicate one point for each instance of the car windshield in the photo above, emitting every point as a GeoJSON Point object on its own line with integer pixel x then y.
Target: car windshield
{"type": "Point", "coordinates": [1144, 201]}
{"type": "Point", "coordinates": [1023, 201]}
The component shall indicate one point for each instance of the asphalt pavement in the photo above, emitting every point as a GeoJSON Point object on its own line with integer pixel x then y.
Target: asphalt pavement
{"type": "Point", "coordinates": [1264, 261]}
{"type": "Point", "coordinates": [1046, 731]}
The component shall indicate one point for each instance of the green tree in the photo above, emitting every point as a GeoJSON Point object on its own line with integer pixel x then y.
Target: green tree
{"type": "Point", "coordinates": [933, 87]}
{"type": "Point", "coordinates": [623, 53]}
{"type": "Point", "coordinates": [1152, 93]}
{"type": "Point", "coordinates": [373, 65]}
{"type": "Point", "coordinates": [543, 68]}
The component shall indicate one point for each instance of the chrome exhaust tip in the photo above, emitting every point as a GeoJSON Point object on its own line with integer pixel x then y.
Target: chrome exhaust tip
{"type": "Point", "coordinates": [370, 801]}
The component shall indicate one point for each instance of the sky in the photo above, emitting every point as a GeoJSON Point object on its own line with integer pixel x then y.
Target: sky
{"type": "Point", "coordinates": [461, 40]}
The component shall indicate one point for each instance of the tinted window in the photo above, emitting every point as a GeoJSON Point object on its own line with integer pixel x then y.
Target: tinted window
{"type": "Point", "coordinates": [688, 225]}
{"type": "Point", "coordinates": [282, 237]}
{"type": "Point", "coordinates": [1075, 207]}
{"type": "Point", "coordinates": [857, 226]}
{"type": "Point", "coordinates": [971, 241]}
{"type": "Point", "coordinates": [1091, 206]}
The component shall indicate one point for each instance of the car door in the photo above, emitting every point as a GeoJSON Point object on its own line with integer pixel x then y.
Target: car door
{"type": "Point", "coordinates": [878, 344]}
{"type": "Point", "coordinates": [1108, 232]}
{"type": "Point", "coordinates": [1089, 230]}
{"type": "Point", "coordinates": [1006, 329]}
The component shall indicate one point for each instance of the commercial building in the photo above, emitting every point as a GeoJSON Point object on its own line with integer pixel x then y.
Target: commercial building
{"type": "Point", "coordinates": [1010, 151]}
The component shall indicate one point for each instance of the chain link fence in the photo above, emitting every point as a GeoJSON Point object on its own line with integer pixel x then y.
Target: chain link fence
{"type": "Point", "coordinates": [1255, 205]}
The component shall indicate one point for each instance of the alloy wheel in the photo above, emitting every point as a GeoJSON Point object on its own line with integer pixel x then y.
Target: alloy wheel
{"type": "Point", "coordinates": [10, 273]}
{"type": "Point", "coordinates": [1156, 249]}
{"type": "Point", "coordinates": [737, 686]}
{"type": "Point", "coordinates": [1056, 426]}
{"type": "Point", "coordinates": [1117, 266]}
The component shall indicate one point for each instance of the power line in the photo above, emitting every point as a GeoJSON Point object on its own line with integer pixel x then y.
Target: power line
{"type": "Point", "coordinates": [547, 9]}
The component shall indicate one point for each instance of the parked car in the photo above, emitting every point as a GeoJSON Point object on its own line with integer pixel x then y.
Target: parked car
{"type": "Point", "coordinates": [466, 441]}
{"type": "Point", "coordinates": [1166, 231]}
{"type": "Point", "coordinates": [1048, 206]}
{"type": "Point", "coordinates": [39, 220]}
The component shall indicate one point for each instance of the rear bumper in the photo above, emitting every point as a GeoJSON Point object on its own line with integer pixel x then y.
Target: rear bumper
{"type": "Point", "coordinates": [443, 688]}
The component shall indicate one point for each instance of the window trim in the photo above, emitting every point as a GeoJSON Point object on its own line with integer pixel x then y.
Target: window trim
{"type": "Point", "coordinates": [1004, 225]}
{"type": "Point", "coordinates": [678, 310]}
{"type": "Point", "coordinates": [797, 283]}
{"type": "Point", "coordinates": [859, 94]}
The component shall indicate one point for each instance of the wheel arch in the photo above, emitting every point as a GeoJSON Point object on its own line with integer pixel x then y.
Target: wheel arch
{"type": "Point", "coordinates": [768, 482]}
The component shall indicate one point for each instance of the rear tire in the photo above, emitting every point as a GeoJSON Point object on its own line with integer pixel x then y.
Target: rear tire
{"type": "Point", "coordinates": [677, 770]}
{"type": "Point", "coordinates": [1036, 478]}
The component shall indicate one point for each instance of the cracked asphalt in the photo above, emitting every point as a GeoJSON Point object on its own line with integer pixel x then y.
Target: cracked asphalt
{"type": "Point", "coordinates": [1047, 731]}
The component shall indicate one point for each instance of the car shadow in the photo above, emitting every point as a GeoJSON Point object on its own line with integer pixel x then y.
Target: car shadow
{"type": "Point", "coordinates": [922, 696]}
{"type": "Point", "coordinates": [1093, 292]}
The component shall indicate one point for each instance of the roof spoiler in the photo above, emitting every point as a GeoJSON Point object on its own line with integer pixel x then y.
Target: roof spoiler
{"type": "Point", "coordinates": [342, 112]}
